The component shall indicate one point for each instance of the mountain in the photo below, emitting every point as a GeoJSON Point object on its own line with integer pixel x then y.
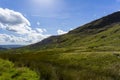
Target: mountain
{"type": "Point", "coordinates": [2, 48]}
{"type": "Point", "coordinates": [102, 32]}
{"type": "Point", "coordinates": [89, 52]}
{"type": "Point", "coordinates": [10, 46]}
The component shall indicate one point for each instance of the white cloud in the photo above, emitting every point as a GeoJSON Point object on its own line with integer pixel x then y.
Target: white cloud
{"type": "Point", "coordinates": [71, 29]}
{"type": "Point", "coordinates": [41, 30]}
{"type": "Point", "coordinates": [11, 38]}
{"type": "Point", "coordinates": [38, 23]}
{"type": "Point", "coordinates": [12, 17]}
{"type": "Point", "coordinates": [15, 22]}
{"type": "Point", "coordinates": [60, 32]}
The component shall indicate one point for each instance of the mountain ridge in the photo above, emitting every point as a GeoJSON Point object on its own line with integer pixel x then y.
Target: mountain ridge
{"type": "Point", "coordinates": [10, 46]}
{"type": "Point", "coordinates": [77, 36]}
{"type": "Point", "coordinates": [100, 23]}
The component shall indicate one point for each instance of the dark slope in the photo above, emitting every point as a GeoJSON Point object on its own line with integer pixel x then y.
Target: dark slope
{"type": "Point", "coordinates": [99, 25]}
{"type": "Point", "coordinates": [97, 33]}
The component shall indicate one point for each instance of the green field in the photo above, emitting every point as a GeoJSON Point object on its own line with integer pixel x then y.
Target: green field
{"type": "Point", "coordinates": [69, 64]}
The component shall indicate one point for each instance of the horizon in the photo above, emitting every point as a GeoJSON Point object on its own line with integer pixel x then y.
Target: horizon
{"type": "Point", "coordinates": [36, 20]}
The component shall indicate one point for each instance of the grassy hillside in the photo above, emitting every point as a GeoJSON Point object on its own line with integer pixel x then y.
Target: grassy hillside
{"type": "Point", "coordinates": [102, 32]}
{"type": "Point", "coordinates": [9, 72]}
{"type": "Point", "coordinates": [90, 52]}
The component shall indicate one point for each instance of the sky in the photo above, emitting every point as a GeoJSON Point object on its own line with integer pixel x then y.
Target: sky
{"type": "Point", "coordinates": [29, 21]}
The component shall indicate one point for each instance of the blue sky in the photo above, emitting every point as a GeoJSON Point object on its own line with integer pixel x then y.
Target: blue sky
{"type": "Point", "coordinates": [51, 17]}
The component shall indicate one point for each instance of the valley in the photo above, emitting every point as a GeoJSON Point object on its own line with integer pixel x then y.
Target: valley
{"type": "Point", "coordinates": [89, 52]}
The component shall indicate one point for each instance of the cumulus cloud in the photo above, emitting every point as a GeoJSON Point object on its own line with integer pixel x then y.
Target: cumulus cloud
{"type": "Point", "coordinates": [41, 30]}
{"type": "Point", "coordinates": [11, 38]}
{"type": "Point", "coordinates": [60, 32]}
{"type": "Point", "coordinates": [15, 22]}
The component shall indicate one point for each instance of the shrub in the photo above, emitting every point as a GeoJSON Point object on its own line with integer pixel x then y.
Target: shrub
{"type": "Point", "coordinates": [9, 72]}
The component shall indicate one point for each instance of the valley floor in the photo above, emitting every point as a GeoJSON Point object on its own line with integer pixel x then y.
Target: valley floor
{"type": "Point", "coordinates": [68, 64]}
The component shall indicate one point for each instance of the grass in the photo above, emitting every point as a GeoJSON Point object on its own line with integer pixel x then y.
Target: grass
{"type": "Point", "coordinates": [90, 52]}
{"type": "Point", "coordinates": [107, 40]}
{"type": "Point", "coordinates": [69, 64]}
{"type": "Point", "coordinates": [94, 57]}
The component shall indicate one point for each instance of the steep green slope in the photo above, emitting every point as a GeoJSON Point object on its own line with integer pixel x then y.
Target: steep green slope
{"type": "Point", "coordinates": [97, 33]}
{"type": "Point", "coordinates": [9, 72]}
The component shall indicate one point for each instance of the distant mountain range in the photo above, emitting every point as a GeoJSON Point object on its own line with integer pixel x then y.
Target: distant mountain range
{"type": "Point", "coordinates": [102, 32]}
{"type": "Point", "coordinates": [10, 46]}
